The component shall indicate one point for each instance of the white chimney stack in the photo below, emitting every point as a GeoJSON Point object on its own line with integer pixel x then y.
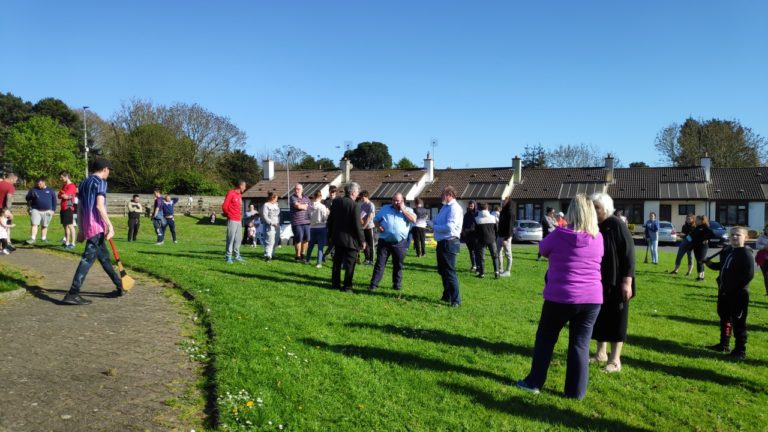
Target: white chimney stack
{"type": "Point", "coordinates": [706, 163]}
{"type": "Point", "coordinates": [517, 170]}
{"type": "Point", "coordinates": [609, 165]}
{"type": "Point", "coordinates": [268, 169]}
{"type": "Point", "coordinates": [346, 169]}
{"type": "Point", "coordinates": [429, 167]}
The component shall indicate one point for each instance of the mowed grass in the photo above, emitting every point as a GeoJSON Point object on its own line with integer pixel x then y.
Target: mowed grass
{"type": "Point", "coordinates": [309, 358]}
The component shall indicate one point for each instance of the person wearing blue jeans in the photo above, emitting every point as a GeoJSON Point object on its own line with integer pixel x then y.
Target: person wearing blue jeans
{"type": "Point", "coordinates": [447, 228]}
{"type": "Point", "coordinates": [95, 249]}
{"type": "Point", "coordinates": [393, 222]}
{"type": "Point", "coordinates": [318, 231]}
{"type": "Point", "coordinates": [652, 236]}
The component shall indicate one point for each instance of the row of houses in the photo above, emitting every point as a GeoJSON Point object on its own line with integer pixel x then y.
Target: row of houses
{"type": "Point", "coordinates": [732, 196]}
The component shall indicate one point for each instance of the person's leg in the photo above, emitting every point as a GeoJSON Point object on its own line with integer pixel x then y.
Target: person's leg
{"type": "Point", "coordinates": [601, 353]}
{"type": "Point", "coordinates": [416, 243]}
{"type": "Point", "coordinates": [86, 261]}
{"type": "Point", "coordinates": [763, 268]}
{"type": "Point", "coordinates": [382, 255]}
{"type": "Point", "coordinates": [349, 275]}
{"type": "Point", "coordinates": [452, 251]}
{"type": "Point", "coordinates": [495, 258]}
{"type": "Point", "coordinates": [305, 242]}
{"type": "Point", "coordinates": [230, 242]}
{"type": "Point", "coordinates": [312, 242]}
{"type": "Point", "coordinates": [336, 269]}
{"type": "Point", "coordinates": [33, 233]}
{"type": "Point", "coordinates": [471, 244]}
{"type": "Point", "coordinates": [577, 363]}
{"type": "Point", "coordinates": [321, 235]}
{"type": "Point", "coordinates": [442, 267]}
{"type": "Point", "coordinates": [398, 251]}
{"type": "Point", "coordinates": [270, 246]}
{"type": "Point", "coordinates": [553, 318]}
{"type": "Point", "coordinates": [237, 240]}
{"type": "Point", "coordinates": [739, 320]}
{"type": "Point", "coordinates": [165, 227]}
{"type": "Point", "coordinates": [690, 262]}
{"type": "Point", "coordinates": [297, 239]}
{"type": "Point", "coordinates": [172, 224]}
{"type": "Point", "coordinates": [369, 245]}
{"type": "Point", "coordinates": [655, 250]}
{"type": "Point", "coordinates": [44, 232]}
{"type": "Point", "coordinates": [479, 262]}
{"type": "Point", "coordinates": [131, 228]}
{"type": "Point", "coordinates": [103, 255]}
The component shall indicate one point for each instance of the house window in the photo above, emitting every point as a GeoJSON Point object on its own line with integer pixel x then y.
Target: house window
{"type": "Point", "coordinates": [685, 209]}
{"type": "Point", "coordinates": [530, 211]}
{"type": "Point", "coordinates": [732, 214]}
{"type": "Point", "coordinates": [633, 211]}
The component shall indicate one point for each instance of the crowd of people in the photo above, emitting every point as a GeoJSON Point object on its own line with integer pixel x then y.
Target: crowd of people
{"type": "Point", "coordinates": [588, 285]}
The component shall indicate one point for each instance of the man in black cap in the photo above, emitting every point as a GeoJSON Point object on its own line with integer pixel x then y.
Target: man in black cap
{"type": "Point", "coordinates": [95, 229]}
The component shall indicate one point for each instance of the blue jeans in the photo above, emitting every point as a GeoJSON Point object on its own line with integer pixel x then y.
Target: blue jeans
{"type": "Point", "coordinates": [169, 223]}
{"type": "Point", "coordinates": [554, 316]}
{"type": "Point", "coordinates": [447, 251]}
{"type": "Point", "coordinates": [159, 225]}
{"type": "Point", "coordinates": [317, 236]}
{"type": "Point", "coordinates": [653, 244]}
{"type": "Point", "coordinates": [94, 249]}
{"type": "Point", "coordinates": [383, 250]}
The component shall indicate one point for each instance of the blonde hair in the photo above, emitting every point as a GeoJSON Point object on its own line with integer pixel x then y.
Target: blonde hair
{"type": "Point", "coordinates": [741, 229]}
{"type": "Point", "coordinates": [582, 216]}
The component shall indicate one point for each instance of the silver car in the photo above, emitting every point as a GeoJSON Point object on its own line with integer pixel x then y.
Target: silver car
{"type": "Point", "coordinates": [527, 230]}
{"type": "Point", "coordinates": [667, 232]}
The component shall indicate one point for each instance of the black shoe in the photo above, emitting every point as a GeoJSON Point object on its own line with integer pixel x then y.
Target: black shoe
{"type": "Point", "coordinates": [480, 275]}
{"type": "Point", "coordinates": [445, 299]}
{"type": "Point", "coordinates": [738, 354]}
{"type": "Point", "coordinates": [118, 292]}
{"type": "Point", "coordinates": [347, 290]}
{"type": "Point", "coordinates": [10, 247]}
{"type": "Point", "coordinates": [719, 348]}
{"type": "Point", "coordinates": [396, 288]}
{"type": "Point", "coordinates": [372, 288]}
{"type": "Point", "coordinates": [496, 275]}
{"type": "Point", "coordinates": [75, 299]}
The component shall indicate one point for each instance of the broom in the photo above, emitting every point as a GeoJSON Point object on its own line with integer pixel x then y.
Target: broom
{"type": "Point", "coordinates": [128, 281]}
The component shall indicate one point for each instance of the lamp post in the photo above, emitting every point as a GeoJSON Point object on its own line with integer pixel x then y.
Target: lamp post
{"type": "Point", "coordinates": [288, 173]}
{"type": "Point", "coordinates": [85, 138]}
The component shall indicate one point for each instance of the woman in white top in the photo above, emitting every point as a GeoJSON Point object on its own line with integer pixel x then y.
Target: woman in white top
{"type": "Point", "coordinates": [318, 233]}
{"type": "Point", "coordinates": [270, 218]}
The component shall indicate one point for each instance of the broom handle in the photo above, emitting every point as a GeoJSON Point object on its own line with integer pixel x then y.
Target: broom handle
{"type": "Point", "coordinates": [114, 250]}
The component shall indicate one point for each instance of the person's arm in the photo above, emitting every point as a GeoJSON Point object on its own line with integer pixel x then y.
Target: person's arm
{"type": "Point", "coordinates": [102, 209]}
{"type": "Point", "coordinates": [409, 215]}
{"type": "Point", "coordinates": [626, 254]}
{"type": "Point", "coordinates": [547, 244]}
{"type": "Point", "coordinates": [53, 201]}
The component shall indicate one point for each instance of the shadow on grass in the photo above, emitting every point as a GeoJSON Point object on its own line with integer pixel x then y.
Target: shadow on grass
{"type": "Point", "coordinates": [714, 321]}
{"type": "Point", "coordinates": [440, 336]}
{"type": "Point", "coordinates": [404, 359]}
{"type": "Point", "coordinates": [186, 254]}
{"type": "Point", "coordinates": [523, 407]}
{"type": "Point", "coordinates": [692, 373]}
{"type": "Point", "coordinates": [399, 295]}
{"type": "Point", "coordinates": [9, 280]}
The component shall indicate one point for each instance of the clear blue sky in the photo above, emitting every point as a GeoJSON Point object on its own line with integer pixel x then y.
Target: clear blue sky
{"type": "Point", "coordinates": [485, 78]}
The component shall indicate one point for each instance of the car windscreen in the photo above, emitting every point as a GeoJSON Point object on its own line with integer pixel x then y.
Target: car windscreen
{"type": "Point", "coordinates": [530, 225]}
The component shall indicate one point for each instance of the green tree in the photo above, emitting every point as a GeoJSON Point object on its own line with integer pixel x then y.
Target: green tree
{"type": "Point", "coordinates": [239, 165]}
{"type": "Point", "coordinates": [726, 142]}
{"type": "Point", "coordinates": [405, 163]}
{"type": "Point", "coordinates": [370, 155]}
{"type": "Point", "coordinates": [326, 163]}
{"type": "Point", "coordinates": [59, 111]}
{"type": "Point", "coordinates": [13, 110]}
{"type": "Point", "coordinates": [290, 156]}
{"type": "Point", "coordinates": [41, 146]}
{"type": "Point", "coordinates": [534, 157]}
{"type": "Point", "coordinates": [574, 155]}
{"type": "Point", "coordinates": [638, 165]}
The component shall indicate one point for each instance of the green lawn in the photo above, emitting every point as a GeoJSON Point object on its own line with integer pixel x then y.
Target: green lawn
{"type": "Point", "coordinates": [310, 358]}
{"type": "Point", "coordinates": [10, 279]}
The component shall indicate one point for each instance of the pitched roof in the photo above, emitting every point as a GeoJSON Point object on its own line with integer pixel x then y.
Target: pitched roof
{"type": "Point", "coordinates": [678, 183]}
{"type": "Point", "coordinates": [280, 185]}
{"type": "Point", "coordinates": [749, 184]}
{"type": "Point", "coordinates": [483, 180]}
{"type": "Point", "coordinates": [373, 179]}
{"type": "Point", "coordinates": [558, 183]}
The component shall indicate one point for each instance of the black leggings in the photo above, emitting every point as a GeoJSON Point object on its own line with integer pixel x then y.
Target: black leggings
{"type": "Point", "coordinates": [419, 242]}
{"type": "Point", "coordinates": [685, 248]}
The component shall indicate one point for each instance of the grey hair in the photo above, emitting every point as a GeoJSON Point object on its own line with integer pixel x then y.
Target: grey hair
{"type": "Point", "coordinates": [605, 201]}
{"type": "Point", "coordinates": [351, 188]}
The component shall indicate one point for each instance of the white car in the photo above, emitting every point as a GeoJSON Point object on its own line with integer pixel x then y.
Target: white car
{"type": "Point", "coordinates": [667, 233]}
{"type": "Point", "coordinates": [527, 230]}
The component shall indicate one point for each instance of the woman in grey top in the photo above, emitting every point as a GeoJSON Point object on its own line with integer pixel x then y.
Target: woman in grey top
{"type": "Point", "coordinates": [270, 218]}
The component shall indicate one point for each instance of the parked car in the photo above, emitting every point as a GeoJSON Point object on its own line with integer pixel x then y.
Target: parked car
{"type": "Point", "coordinates": [526, 230]}
{"type": "Point", "coordinates": [719, 234]}
{"type": "Point", "coordinates": [286, 232]}
{"type": "Point", "coordinates": [667, 233]}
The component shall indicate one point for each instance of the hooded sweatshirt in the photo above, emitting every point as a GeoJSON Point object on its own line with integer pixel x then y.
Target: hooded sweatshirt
{"type": "Point", "coordinates": [485, 228]}
{"type": "Point", "coordinates": [573, 276]}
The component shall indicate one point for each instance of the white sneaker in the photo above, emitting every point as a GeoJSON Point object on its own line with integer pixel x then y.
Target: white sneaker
{"type": "Point", "coordinates": [505, 274]}
{"type": "Point", "coordinates": [5, 252]}
{"type": "Point", "coordinates": [319, 266]}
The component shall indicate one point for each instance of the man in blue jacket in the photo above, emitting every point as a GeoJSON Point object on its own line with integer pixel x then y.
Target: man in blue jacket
{"type": "Point", "coordinates": [41, 202]}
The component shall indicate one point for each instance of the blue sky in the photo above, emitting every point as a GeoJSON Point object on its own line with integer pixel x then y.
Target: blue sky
{"type": "Point", "coordinates": [485, 78]}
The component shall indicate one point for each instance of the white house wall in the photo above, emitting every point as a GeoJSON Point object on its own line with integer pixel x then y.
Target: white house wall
{"type": "Point", "coordinates": [756, 215]}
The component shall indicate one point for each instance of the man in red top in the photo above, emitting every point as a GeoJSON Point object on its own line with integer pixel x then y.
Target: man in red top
{"type": "Point", "coordinates": [7, 189]}
{"type": "Point", "coordinates": [233, 210]}
{"type": "Point", "coordinates": [67, 195]}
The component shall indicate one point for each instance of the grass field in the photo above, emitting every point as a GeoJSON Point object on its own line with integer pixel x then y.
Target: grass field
{"type": "Point", "coordinates": [287, 351]}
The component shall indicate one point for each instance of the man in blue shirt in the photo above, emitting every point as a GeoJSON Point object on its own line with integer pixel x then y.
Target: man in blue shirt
{"type": "Point", "coordinates": [41, 201]}
{"type": "Point", "coordinates": [447, 226]}
{"type": "Point", "coordinates": [393, 222]}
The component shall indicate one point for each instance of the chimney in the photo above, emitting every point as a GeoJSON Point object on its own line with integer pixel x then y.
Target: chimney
{"type": "Point", "coordinates": [429, 167]}
{"type": "Point", "coordinates": [346, 168]}
{"type": "Point", "coordinates": [268, 169]}
{"type": "Point", "coordinates": [517, 170]}
{"type": "Point", "coordinates": [706, 163]}
{"type": "Point", "coordinates": [609, 168]}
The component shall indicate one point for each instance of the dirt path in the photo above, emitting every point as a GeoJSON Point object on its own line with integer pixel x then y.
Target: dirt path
{"type": "Point", "coordinates": [113, 365]}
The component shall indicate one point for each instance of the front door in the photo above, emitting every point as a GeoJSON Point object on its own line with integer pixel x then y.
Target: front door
{"type": "Point", "coordinates": [665, 212]}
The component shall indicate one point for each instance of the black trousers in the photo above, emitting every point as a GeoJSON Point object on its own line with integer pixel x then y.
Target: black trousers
{"type": "Point", "coordinates": [347, 257]}
{"type": "Point", "coordinates": [133, 228]}
{"type": "Point", "coordinates": [419, 241]}
{"type": "Point", "coordinates": [732, 307]}
{"type": "Point", "coordinates": [368, 244]}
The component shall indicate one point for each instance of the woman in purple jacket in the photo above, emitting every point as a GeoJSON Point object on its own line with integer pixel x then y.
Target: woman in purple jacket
{"type": "Point", "coordinates": [572, 294]}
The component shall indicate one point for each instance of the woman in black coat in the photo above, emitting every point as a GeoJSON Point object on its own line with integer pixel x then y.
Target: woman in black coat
{"type": "Point", "coordinates": [468, 235]}
{"type": "Point", "coordinates": [618, 275]}
{"type": "Point", "coordinates": [700, 243]}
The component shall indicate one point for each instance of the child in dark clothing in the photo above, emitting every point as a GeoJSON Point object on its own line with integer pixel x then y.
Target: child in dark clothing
{"type": "Point", "coordinates": [736, 271]}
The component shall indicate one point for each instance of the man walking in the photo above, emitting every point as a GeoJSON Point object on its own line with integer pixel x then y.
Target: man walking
{"type": "Point", "coordinates": [393, 222]}
{"type": "Point", "coordinates": [7, 190]}
{"type": "Point", "coordinates": [41, 201]}
{"type": "Point", "coordinates": [447, 226]}
{"type": "Point", "coordinates": [506, 226]}
{"type": "Point", "coordinates": [67, 195]}
{"type": "Point", "coordinates": [344, 227]}
{"type": "Point", "coordinates": [158, 221]}
{"type": "Point", "coordinates": [367, 211]}
{"type": "Point", "coordinates": [95, 228]}
{"type": "Point", "coordinates": [233, 209]}
{"type": "Point", "coordinates": [134, 217]}
{"type": "Point", "coordinates": [328, 203]}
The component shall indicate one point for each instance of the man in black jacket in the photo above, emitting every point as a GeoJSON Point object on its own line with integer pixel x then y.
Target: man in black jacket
{"type": "Point", "coordinates": [347, 234]}
{"type": "Point", "coordinates": [506, 227]}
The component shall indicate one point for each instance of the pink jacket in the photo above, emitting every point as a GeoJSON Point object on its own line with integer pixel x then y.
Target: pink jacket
{"type": "Point", "coordinates": [573, 276]}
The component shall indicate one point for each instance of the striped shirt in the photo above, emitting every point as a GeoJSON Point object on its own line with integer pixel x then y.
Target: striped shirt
{"type": "Point", "coordinates": [88, 215]}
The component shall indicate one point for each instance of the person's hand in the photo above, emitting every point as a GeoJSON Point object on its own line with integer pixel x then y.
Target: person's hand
{"type": "Point", "coordinates": [365, 245]}
{"type": "Point", "coordinates": [504, 243]}
{"type": "Point", "coordinates": [381, 228]}
{"type": "Point", "coordinates": [110, 232]}
{"type": "Point", "coordinates": [626, 288]}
